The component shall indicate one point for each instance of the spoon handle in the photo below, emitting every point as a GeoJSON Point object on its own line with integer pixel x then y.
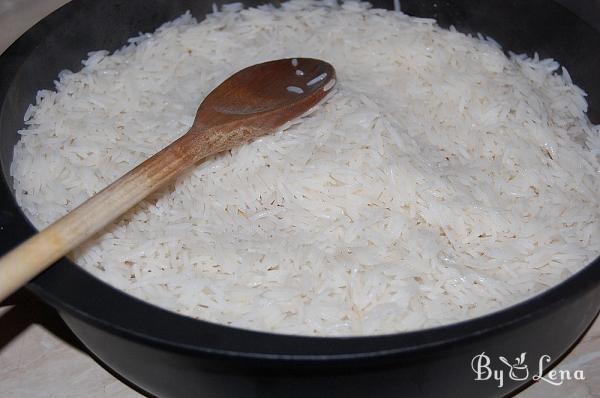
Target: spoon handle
{"type": "Point", "coordinates": [37, 253]}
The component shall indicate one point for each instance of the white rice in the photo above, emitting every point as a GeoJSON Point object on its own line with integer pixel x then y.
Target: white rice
{"type": "Point", "coordinates": [442, 181]}
{"type": "Point", "coordinates": [317, 79]}
{"type": "Point", "coordinates": [329, 85]}
{"type": "Point", "coordinates": [296, 89]}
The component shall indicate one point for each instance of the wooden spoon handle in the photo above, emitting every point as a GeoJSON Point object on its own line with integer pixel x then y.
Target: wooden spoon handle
{"type": "Point", "coordinates": [37, 253]}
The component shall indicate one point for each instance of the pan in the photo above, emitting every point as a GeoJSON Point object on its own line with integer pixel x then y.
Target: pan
{"type": "Point", "coordinates": [165, 354]}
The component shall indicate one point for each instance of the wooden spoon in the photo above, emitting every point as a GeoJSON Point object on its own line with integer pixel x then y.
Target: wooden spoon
{"type": "Point", "coordinates": [251, 103]}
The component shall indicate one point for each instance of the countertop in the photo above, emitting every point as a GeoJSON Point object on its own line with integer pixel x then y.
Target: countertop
{"type": "Point", "coordinates": [40, 357]}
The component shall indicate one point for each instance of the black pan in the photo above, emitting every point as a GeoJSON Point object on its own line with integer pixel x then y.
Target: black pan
{"type": "Point", "coordinates": [171, 355]}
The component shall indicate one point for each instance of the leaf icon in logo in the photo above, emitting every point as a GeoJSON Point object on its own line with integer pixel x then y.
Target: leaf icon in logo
{"type": "Point", "coordinates": [522, 361]}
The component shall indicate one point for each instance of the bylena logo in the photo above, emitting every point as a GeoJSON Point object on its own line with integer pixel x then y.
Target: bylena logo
{"type": "Point", "coordinates": [519, 371]}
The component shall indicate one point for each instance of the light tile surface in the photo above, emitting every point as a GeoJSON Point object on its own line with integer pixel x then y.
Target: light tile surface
{"type": "Point", "coordinates": [39, 357]}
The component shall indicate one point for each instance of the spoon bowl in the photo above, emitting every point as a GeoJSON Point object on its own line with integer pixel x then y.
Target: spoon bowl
{"type": "Point", "coordinates": [258, 99]}
{"type": "Point", "coordinates": [273, 86]}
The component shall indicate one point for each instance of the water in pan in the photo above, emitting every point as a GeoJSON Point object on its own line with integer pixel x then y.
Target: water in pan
{"type": "Point", "coordinates": [441, 181]}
